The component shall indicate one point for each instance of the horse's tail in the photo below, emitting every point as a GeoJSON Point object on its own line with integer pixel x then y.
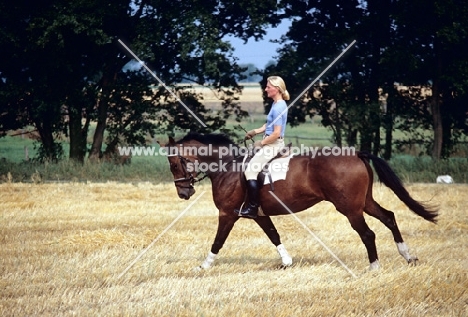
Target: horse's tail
{"type": "Point", "coordinates": [391, 180]}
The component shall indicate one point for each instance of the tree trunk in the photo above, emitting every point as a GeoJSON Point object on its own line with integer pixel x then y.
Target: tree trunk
{"type": "Point", "coordinates": [388, 121]}
{"type": "Point", "coordinates": [351, 137]}
{"type": "Point", "coordinates": [435, 107]}
{"type": "Point", "coordinates": [365, 136]}
{"type": "Point", "coordinates": [437, 123]}
{"type": "Point", "coordinates": [379, 37]}
{"type": "Point", "coordinates": [376, 134]}
{"type": "Point", "coordinates": [50, 152]}
{"type": "Point", "coordinates": [103, 106]}
{"type": "Point", "coordinates": [338, 130]}
{"type": "Point", "coordinates": [77, 133]}
{"type": "Point", "coordinates": [448, 138]}
{"type": "Point", "coordinates": [388, 126]}
{"type": "Point", "coordinates": [98, 137]}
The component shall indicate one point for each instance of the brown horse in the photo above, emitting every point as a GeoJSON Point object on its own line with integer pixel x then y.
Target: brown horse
{"type": "Point", "coordinates": [345, 181]}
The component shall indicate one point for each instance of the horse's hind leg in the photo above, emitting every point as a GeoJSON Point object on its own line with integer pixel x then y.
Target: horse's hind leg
{"type": "Point", "coordinates": [225, 224]}
{"type": "Point", "coordinates": [388, 219]}
{"type": "Point", "coordinates": [359, 224]}
{"type": "Point", "coordinates": [269, 228]}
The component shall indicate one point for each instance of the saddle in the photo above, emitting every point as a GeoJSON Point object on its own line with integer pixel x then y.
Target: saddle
{"type": "Point", "coordinates": [265, 177]}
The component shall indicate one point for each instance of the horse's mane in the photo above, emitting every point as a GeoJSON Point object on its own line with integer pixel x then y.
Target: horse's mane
{"type": "Point", "coordinates": [217, 139]}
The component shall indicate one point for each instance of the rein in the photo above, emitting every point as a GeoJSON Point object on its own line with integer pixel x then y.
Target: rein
{"type": "Point", "coordinates": [188, 177]}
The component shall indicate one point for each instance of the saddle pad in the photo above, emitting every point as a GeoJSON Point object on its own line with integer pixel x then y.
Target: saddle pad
{"type": "Point", "coordinates": [278, 169]}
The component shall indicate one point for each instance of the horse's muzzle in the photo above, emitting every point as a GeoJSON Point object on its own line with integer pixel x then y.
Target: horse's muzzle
{"type": "Point", "coordinates": [186, 193]}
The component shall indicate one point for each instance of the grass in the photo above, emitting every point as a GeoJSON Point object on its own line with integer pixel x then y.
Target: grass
{"type": "Point", "coordinates": [63, 246]}
{"type": "Point", "coordinates": [312, 133]}
{"type": "Point", "coordinates": [12, 149]}
{"type": "Point", "coordinates": [424, 169]}
{"type": "Point", "coordinates": [154, 169]}
{"type": "Point", "coordinates": [142, 169]}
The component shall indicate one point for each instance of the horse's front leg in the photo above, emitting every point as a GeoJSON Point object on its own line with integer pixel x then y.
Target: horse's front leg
{"type": "Point", "coordinates": [269, 228]}
{"type": "Point", "coordinates": [225, 224]}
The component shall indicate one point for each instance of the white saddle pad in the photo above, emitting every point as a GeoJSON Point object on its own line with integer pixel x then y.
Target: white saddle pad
{"type": "Point", "coordinates": [278, 169]}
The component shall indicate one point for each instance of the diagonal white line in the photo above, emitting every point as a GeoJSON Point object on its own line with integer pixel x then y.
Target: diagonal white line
{"type": "Point", "coordinates": [313, 235]}
{"type": "Point", "coordinates": [160, 81]}
{"type": "Point", "coordinates": [159, 236]}
{"type": "Point", "coordinates": [312, 83]}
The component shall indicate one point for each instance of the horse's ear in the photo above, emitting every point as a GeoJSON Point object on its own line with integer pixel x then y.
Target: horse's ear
{"type": "Point", "coordinates": [171, 141]}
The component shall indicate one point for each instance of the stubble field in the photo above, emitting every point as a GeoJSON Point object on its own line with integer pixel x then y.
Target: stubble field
{"type": "Point", "coordinates": [63, 246]}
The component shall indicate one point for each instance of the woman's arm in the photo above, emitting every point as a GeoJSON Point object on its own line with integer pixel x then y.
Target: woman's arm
{"type": "Point", "coordinates": [274, 136]}
{"type": "Point", "coordinates": [250, 134]}
{"type": "Point", "coordinates": [261, 129]}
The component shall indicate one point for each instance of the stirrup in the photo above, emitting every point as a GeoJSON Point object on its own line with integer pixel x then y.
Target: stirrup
{"type": "Point", "coordinates": [250, 212]}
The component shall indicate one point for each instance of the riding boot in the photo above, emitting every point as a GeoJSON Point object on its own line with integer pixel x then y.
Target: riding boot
{"type": "Point", "coordinates": [250, 209]}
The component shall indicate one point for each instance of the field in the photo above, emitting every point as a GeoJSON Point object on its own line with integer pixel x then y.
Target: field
{"type": "Point", "coordinates": [63, 247]}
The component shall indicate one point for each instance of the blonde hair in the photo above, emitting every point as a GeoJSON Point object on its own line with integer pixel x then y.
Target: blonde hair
{"type": "Point", "coordinates": [278, 82]}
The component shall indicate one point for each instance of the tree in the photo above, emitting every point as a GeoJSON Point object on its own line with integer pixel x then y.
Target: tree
{"type": "Point", "coordinates": [319, 31]}
{"type": "Point", "coordinates": [250, 73]}
{"type": "Point", "coordinates": [408, 42]}
{"type": "Point", "coordinates": [433, 33]}
{"type": "Point", "coordinates": [66, 58]}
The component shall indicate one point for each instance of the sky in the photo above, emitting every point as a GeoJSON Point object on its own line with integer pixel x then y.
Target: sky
{"type": "Point", "coordinates": [254, 52]}
{"type": "Point", "coordinates": [261, 52]}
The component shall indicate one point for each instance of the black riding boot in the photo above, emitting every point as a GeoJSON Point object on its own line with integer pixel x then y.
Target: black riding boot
{"type": "Point", "coordinates": [250, 209]}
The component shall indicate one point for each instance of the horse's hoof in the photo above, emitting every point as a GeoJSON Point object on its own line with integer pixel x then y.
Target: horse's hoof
{"type": "Point", "coordinates": [374, 266]}
{"type": "Point", "coordinates": [286, 264]}
{"type": "Point", "coordinates": [198, 269]}
{"type": "Point", "coordinates": [413, 261]}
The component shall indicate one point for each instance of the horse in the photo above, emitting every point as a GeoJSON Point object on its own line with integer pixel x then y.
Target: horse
{"type": "Point", "coordinates": [344, 180]}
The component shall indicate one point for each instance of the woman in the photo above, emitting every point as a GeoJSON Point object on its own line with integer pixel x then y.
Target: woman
{"type": "Point", "coordinates": [273, 141]}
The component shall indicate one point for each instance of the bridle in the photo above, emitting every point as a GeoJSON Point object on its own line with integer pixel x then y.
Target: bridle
{"type": "Point", "coordinates": [188, 177]}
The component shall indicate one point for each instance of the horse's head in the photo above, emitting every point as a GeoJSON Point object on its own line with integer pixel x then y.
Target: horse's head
{"type": "Point", "coordinates": [197, 153]}
{"type": "Point", "coordinates": [184, 175]}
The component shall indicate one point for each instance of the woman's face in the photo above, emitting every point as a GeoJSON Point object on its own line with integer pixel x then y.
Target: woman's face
{"type": "Point", "coordinates": [271, 90]}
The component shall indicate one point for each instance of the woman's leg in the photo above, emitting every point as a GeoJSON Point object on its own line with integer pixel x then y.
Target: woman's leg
{"type": "Point", "coordinates": [255, 166]}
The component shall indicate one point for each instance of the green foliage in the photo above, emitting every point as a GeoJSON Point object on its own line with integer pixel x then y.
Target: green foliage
{"type": "Point", "coordinates": [426, 169]}
{"type": "Point", "coordinates": [66, 68]}
{"type": "Point", "coordinates": [53, 153]}
{"type": "Point", "coordinates": [412, 43]}
{"type": "Point", "coordinates": [154, 169]}
{"type": "Point", "coordinates": [250, 73]}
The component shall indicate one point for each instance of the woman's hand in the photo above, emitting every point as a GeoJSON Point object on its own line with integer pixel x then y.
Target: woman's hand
{"type": "Point", "coordinates": [258, 144]}
{"type": "Point", "coordinates": [250, 134]}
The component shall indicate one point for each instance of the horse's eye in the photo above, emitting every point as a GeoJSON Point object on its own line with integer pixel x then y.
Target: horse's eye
{"type": "Point", "coordinates": [174, 167]}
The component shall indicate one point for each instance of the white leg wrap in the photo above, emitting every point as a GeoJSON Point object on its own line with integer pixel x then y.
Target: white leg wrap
{"type": "Point", "coordinates": [404, 251]}
{"type": "Point", "coordinates": [208, 261]}
{"type": "Point", "coordinates": [374, 265]}
{"type": "Point", "coordinates": [285, 257]}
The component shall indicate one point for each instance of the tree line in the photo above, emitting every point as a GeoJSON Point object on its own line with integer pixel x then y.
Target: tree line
{"type": "Point", "coordinates": [417, 44]}
{"type": "Point", "coordinates": [63, 71]}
